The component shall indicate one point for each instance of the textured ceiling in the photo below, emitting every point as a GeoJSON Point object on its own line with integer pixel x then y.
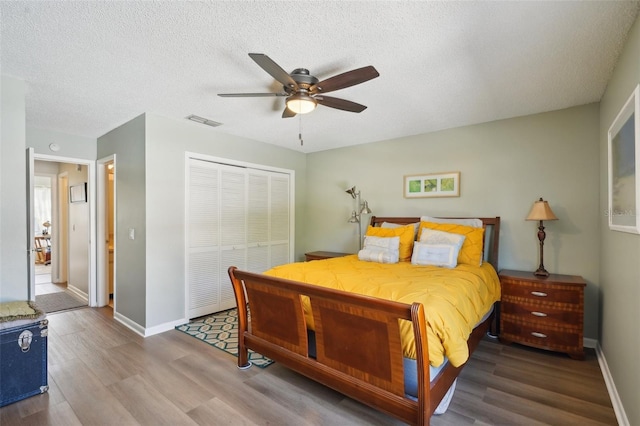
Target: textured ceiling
{"type": "Point", "coordinates": [91, 66]}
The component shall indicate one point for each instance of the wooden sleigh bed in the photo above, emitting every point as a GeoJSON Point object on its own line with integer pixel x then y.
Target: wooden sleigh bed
{"type": "Point", "coordinates": [372, 373]}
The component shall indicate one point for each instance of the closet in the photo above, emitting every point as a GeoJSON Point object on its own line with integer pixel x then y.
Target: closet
{"type": "Point", "coordinates": [236, 215]}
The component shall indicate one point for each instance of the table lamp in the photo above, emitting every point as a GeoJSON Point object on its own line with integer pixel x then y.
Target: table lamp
{"type": "Point", "coordinates": [541, 212]}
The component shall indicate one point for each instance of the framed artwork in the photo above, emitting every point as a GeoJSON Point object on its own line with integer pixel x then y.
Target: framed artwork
{"type": "Point", "coordinates": [624, 183]}
{"type": "Point", "coordinates": [78, 193]}
{"type": "Point", "coordinates": [432, 185]}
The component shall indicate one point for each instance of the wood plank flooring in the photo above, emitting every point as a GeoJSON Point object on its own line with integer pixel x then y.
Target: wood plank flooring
{"type": "Point", "coordinates": [101, 373]}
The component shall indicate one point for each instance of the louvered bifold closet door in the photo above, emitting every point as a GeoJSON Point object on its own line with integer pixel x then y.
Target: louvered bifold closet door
{"type": "Point", "coordinates": [203, 235]}
{"type": "Point", "coordinates": [237, 216]}
{"type": "Point", "coordinates": [233, 228]}
{"type": "Point", "coordinates": [258, 221]}
{"type": "Point", "coordinates": [280, 219]}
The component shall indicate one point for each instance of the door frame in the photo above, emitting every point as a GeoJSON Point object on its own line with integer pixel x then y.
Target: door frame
{"type": "Point", "coordinates": [102, 254]}
{"type": "Point", "coordinates": [91, 168]}
{"type": "Point", "coordinates": [31, 264]}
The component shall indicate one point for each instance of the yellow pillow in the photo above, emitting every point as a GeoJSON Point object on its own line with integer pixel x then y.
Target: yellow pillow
{"type": "Point", "coordinates": [406, 234]}
{"type": "Point", "coordinates": [471, 251]}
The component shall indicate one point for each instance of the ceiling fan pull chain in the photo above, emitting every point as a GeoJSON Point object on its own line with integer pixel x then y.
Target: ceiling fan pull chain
{"type": "Point", "coordinates": [300, 130]}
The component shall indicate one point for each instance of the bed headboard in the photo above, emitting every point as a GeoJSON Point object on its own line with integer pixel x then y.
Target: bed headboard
{"type": "Point", "coordinates": [491, 227]}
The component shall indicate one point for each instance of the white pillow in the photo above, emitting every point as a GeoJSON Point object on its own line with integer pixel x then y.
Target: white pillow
{"type": "Point", "coordinates": [437, 248]}
{"type": "Point", "coordinates": [380, 249]}
{"type": "Point", "coordinates": [397, 225]}
{"type": "Point", "coordinates": [474, 223]}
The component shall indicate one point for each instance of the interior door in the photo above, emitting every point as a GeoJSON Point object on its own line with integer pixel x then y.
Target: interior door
{"type": "Point", "coordinates": [31, 274]}
{"type": "Point", "coordinates": [203, 238]}
{"type": "Point", "coordinates": [236, 215]}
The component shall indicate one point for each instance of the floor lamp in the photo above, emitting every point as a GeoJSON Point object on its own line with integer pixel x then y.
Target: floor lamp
{"type": "Point", "coordinates": [363, 208]}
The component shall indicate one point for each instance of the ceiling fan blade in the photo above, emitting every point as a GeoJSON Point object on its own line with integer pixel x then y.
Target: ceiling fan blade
{"type": "Point", "coordinates": [250, 95]}
{"type": "Point", "coordinates": [287, 113]}
{"type": "Point", "coordinates": [338, 103]}
{"type": "Point", "coordinates": [347, 79]}
{"type": "Point", "coordinates": [274, 69]}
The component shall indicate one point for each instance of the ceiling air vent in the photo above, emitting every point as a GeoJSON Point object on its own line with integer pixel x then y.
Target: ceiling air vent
{"type": "Point", "coordinates": [203, 121]}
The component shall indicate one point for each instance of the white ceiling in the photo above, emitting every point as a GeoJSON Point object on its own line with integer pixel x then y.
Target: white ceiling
{"type": "Point", "coordinates": [92, 66]}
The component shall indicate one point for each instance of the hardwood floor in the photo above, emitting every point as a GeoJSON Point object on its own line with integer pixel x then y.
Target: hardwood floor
{"type": "Point", "coordinates": [43, 281]}
{"type": "Point", "coordinates": [101, 373]}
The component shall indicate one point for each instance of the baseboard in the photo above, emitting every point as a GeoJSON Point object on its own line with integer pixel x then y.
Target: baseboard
{"type": "Point", "coordinates": [131, 325]}
{"type": "Point", "coordinates": [164, 327]}
{"type": "Point", "coordinates": [589, 343]}
{"type": "Point", "coordinates": [618, 408]}
{"type": "Point", "coordinates": [81, 294]}
{"type": "Point", "coordinates": [146, 332]}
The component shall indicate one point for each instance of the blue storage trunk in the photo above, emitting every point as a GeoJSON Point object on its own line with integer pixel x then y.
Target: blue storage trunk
{"type": "Point", "coordinates": [23, 359]}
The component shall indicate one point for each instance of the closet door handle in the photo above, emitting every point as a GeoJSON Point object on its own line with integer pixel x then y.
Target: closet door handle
{"type": "Point", "coordinates": [539, 294]}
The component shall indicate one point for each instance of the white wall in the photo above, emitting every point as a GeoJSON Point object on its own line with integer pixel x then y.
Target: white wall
{"type": "Point", "coordinates": [13, 198]}
{"type": "Point", "coordinates": [620, 252]}
{"type": "Point", "coordinates": [505, 166]}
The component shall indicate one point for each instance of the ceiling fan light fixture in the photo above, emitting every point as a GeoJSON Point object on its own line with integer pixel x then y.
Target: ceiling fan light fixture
{"type": "Point", "coordinates": [301, 103]}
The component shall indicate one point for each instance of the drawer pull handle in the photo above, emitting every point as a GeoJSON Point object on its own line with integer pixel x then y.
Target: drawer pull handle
{"type": "Point", "coordinates": [538, 314]}
{"type": "Point", "coordinates": [539, 294]}
{"type": "Point", "coordinates": [536, 334]}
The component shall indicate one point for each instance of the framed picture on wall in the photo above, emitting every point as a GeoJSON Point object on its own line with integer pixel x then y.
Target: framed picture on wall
{"type": "Point", "coordinates": [78, 193]}
{"type": "Point", "coordinates": [432, 185]}
{"type": "Point", "coordinates": [624, 183]}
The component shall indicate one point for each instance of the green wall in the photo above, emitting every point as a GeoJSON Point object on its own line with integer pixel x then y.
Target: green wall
{"type": "Point", "coordinates": [127, 142]}
{"type": "Point", "coordinates": [505, 166]}
{"type": "Point", "coordinates": [620, 269]}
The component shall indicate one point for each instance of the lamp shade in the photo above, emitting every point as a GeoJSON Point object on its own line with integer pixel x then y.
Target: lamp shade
{"type": "Point", "coordinates": [301, 103]}
{"type": "Point", "coordinates": [352, 191]}
{"type": "Point", "coordinates": [365, 208]}
{"type": "Point", "coordinates": [541, 211]}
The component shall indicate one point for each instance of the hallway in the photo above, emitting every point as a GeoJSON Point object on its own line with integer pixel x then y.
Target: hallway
{"type": "Point", "coordinates": [43, 281]}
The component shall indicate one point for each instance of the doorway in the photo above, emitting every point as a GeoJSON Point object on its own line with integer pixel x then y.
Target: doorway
{"type": "Point", "coordinates": [106, 284]}
{"type": "Point", "coordinates": [68, 256]}
{"type": "Point", "coordinates": [44, 204]}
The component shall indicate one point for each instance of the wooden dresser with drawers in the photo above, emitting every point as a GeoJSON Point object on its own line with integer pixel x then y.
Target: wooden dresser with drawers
{"type": "Point", "coordinates": [543, 312]}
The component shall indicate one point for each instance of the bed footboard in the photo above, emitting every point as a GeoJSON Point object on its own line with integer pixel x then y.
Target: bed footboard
{"type": "Point", "coordinates": [347, 326]}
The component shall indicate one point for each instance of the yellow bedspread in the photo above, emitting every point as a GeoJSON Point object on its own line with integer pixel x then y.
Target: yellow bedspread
{"type": "Point", "coordinates": [454, 299]}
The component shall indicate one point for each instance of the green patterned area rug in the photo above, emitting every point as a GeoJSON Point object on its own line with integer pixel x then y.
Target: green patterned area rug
{"type": "Point", "coordinates": [220, 330]}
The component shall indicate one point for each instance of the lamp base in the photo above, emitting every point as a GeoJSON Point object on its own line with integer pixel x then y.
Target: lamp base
{"type": "Point", "coordinates": [541, 272]}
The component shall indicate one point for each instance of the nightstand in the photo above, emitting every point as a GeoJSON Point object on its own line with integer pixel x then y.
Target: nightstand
{"type": "Point", "coordinates": [545, 313]}
{"type": "Point", "coordinates": [319, 255]}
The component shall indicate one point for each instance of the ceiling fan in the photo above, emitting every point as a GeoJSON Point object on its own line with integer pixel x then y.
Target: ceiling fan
{"type": "Point", "coordinates": [304, 91]}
